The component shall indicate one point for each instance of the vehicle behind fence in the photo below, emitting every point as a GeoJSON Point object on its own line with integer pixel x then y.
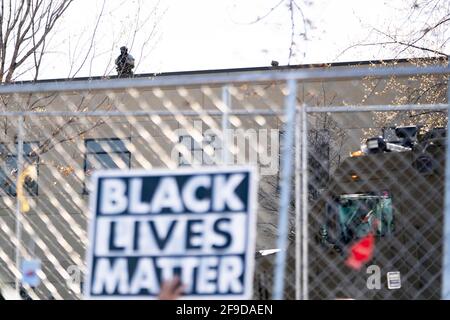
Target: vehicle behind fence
{"type": "Point", "coordinates": [363, 194]}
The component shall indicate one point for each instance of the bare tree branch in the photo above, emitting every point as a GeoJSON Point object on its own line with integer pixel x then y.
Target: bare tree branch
{"type": "Point", "coordinates": [30, 22]}
{"type": "Point", "coordinates": [91, 44]}
{"type": "Point", "coordinates": [422, 31]}
{"type": "Point", "coordinates": [268, 13]}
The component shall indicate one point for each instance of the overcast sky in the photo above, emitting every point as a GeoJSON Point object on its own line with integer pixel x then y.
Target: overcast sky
{"type": "Point", "coordinates": [210, 34]}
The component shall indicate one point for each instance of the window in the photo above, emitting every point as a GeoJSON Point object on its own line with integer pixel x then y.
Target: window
{"type": "Point", "coordinates": [108, 153]}
{"type": "Point", "coordinates": [8, 169]}
{"type": "Point", "coordinates": [197, 150]}
{"type": "Point", "coordinates": [352, 216]}
{"type": "Point", "coordinates": [390, 135]}
{"type": "Point", "coordinates": [361, 213]}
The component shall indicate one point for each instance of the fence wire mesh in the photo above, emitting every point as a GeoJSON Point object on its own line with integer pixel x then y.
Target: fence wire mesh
{"type": "Point", "coordinates": [157, 128]}
{"type": "Point", "coordinates": [397, 196]}
{"type": "Point", "coordinates": [53, 140]}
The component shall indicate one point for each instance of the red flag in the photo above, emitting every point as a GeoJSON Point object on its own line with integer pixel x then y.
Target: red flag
{"type": "Point", "coordinates": [361, 252]}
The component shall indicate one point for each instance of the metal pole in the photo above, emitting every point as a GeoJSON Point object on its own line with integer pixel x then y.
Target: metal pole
{"type": "Point", "coordinates": [225, 114]}
{"type": "Point", "coordinates": [18, 210]}
{"type": "Point", "coordinates": [298, 192]}
{"type": "Point", "coordinates": [304, 188]}
{"type": "Point", "coordinates": [211, 112]}
{"type": "Point", "coordinates": [138, 113]}
{"type": "Point", "coordinates": [383, 107]}
{"type": "Point", "coordinates": [286, 173]}
{"type": "Point", "coordinates": [446, 236]}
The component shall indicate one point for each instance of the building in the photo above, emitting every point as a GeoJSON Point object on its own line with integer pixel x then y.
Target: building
{"type": "Point", "coordinates": [61, 151]}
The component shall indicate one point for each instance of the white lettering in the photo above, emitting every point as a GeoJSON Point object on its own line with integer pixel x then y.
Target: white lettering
{"type": "Point", "coordinates": [144, 278]}
{"type": "Point", "coordinates": [167, 196]}
{"type": "Point", "coordinates": [189, 194]}
{"type": "Point", "coordinates": [113, 199]}
{"type": "Point", "coordinates": [136, 205]}
{"type": "Point", "coordinates": [224, 192]}
{"type": "Point", "coordinates": [208, 272]}
{"type": "Point", "coordinates": [109, 277]}
{"type": "Point", "coordinates": [230, 269]}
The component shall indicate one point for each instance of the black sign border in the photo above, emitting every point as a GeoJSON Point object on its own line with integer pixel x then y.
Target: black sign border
{"type": "Point", "coordinates": [250, 235]}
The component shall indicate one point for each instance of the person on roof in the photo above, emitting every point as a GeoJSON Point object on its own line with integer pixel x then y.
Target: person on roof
{"type": "Point", "coordinates": [124, 63]}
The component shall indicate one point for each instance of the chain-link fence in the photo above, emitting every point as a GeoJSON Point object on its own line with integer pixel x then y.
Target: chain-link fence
{"type": "Point", "coordinates": [315, 201]}
{"type": "Point", "coordinates": [395, 191]}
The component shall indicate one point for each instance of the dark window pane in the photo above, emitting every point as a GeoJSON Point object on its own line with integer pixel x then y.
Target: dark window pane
{"type": "Point", "coordinates": [8, 169]}
{"type": "Point", "coordinates": [105, 154]}
{"type": "Point", "coordinates": [28, 148]}
{"type": "Point", "coordinates": [105, 145]}
{"type": "Point", "coordinates": [107, 161]}
{"type": "Point", "coordinates": [360, 214]}
{"type": "Point", "coordinates": [4, 150]}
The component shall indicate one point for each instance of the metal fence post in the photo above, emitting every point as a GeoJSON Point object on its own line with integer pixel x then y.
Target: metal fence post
{"type": "Point", "coordinates": [285, 192]}
{"type": "Point", "coordinates": [18, 209]}
{"type": "Point", "coordinates": [225, 143]}
{"type": "Point", "coordinates": [304, 198]}
{"type": "Point", "coordinates": [298, 228]}
{"type": "Point", "coordinates": [445, 290]}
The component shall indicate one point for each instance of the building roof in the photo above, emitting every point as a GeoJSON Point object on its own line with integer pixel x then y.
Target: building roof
{"type": "Point", "coordinates": [249, 69]}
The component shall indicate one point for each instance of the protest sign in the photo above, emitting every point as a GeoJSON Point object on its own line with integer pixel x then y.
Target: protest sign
{"type": "Point", "coordinates": [150, 226]}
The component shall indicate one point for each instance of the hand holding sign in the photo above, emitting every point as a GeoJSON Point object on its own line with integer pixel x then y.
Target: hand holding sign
{"type": "Point", "coordinates": [171, 290]}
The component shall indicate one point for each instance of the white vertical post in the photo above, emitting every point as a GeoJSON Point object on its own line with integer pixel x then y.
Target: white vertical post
{"type": "Point", "coordinates": [227, 105]}
{"type": "Point", "coordinates": [18, 210]}
{"type": "Point", "coordinates": [298, 228]}
{"type": "Point", "coordinates": [304, 200]}
{"type": "Point", "coordinates": [445, 290]}
{"type": "Point", "coordinates": [285, 192]}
